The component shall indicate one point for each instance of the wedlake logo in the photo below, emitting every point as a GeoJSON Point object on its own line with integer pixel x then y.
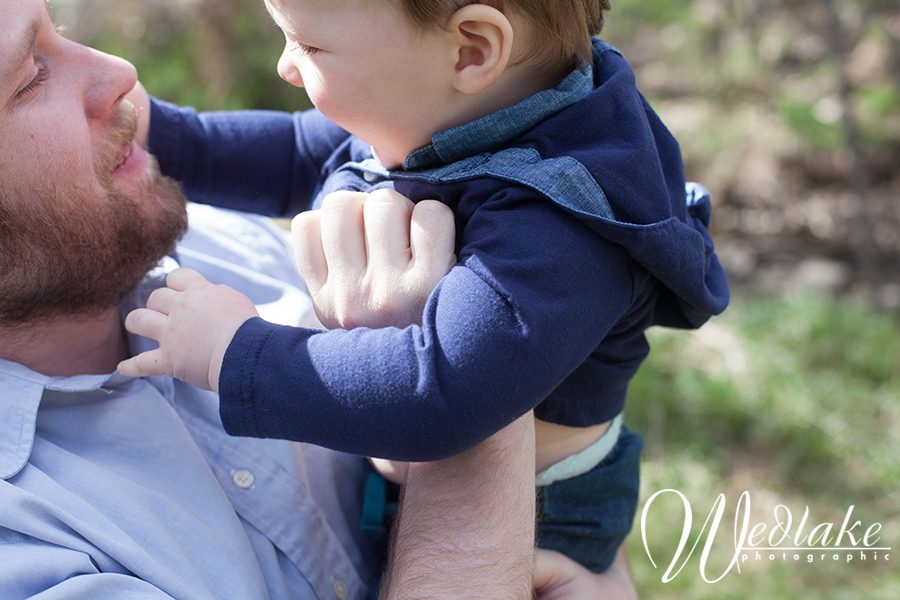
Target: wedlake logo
{"type": "Point", "coordinates": [776, 538]}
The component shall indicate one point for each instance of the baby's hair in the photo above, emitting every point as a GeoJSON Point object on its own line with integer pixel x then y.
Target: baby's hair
{"type": "Point", "coordinates": [562, 28]}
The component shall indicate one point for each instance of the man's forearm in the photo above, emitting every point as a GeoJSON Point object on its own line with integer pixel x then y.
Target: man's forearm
{"type": "Point", "coordinates": [466, 525]}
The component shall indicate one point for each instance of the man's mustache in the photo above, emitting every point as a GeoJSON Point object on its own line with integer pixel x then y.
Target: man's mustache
{"type": "Point", "coordinates": [122, 129]}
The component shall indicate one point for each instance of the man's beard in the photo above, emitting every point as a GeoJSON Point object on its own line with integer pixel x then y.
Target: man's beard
{"type": "Point", "coordinates": [69, 252]}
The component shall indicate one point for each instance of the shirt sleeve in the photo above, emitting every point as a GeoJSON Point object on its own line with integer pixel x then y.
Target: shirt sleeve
{"type": "Point", "coordinates": [256, 161]}
{"type": "Point", "coordinates": [534, 293]}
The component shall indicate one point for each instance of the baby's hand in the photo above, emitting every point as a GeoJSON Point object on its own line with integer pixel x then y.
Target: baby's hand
{"type": "Point", "coordinates": [193, 321]}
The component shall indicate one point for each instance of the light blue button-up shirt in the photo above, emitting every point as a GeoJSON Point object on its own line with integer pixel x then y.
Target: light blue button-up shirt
{"type": "Point", "coordinates": [119, 488]}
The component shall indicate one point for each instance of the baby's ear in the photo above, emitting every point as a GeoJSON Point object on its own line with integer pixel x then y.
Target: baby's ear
{"type": "Point", "coordinates": [484, 40]}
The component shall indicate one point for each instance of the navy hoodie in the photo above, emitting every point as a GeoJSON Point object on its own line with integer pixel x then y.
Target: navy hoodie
{"type": "Point", "coordinates": [576, 232]}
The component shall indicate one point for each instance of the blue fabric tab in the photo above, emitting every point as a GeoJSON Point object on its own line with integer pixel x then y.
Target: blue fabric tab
{"type": "Point", "coordinates": [374, 504]}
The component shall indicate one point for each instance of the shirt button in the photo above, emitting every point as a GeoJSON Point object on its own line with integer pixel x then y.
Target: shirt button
{"type": "Point", "coordinates": [340, 589]}
{"type": "Point", "coordinates": [243, 478]}
{"type": "Point", "coordinates": [370, 177]}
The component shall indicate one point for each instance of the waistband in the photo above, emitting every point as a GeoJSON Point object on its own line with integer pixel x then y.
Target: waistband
{"type": "Point", "coordinates": [584, 461]}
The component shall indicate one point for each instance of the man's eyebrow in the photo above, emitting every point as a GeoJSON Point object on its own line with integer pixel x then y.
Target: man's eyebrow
{"type": "Point", "coordinates": [19, 55]}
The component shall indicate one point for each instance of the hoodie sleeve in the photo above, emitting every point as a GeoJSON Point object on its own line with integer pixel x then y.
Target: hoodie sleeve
{"type": "Point", "coordinates": [534, 292]}
{"type": "Point", "coordinates": [263, 162]}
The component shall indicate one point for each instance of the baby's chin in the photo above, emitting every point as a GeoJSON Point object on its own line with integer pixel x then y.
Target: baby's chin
{"type": "Point", "coordinates": [386, 160]}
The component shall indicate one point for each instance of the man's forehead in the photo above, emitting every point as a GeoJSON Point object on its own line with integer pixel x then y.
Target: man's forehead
{"type": "Point", "coordinates": [12, 11]}
{"type": "Point", "coordinates": [19, 19]}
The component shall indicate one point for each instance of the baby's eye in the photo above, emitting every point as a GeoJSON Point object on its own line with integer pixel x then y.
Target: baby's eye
{"type": "Point", "coordinates": [307, 50]}
{"type": "Point", "coordinates": [302, 48]}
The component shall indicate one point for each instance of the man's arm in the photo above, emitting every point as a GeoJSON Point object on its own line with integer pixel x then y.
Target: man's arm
{"type": "Point", "coordinates": [466, 524]}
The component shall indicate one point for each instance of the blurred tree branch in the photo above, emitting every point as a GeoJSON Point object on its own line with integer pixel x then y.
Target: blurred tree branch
{"type": "Point", "coordinates": [866, 251]}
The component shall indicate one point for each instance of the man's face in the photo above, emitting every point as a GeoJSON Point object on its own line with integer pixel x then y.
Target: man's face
{"type": "Point", "coordinates": [84, 212]}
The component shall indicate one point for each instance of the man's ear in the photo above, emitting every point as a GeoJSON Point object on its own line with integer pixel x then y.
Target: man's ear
{"type": "Point", "coordinates": [484, 40]}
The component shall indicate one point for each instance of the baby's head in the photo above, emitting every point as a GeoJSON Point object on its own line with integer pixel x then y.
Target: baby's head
{"type": "Point", "coordinates": [558, 31]}
{"type": "Point", "coordinates": [393, 72]}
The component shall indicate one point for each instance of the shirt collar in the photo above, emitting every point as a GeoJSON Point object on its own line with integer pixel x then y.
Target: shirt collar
{"type": "Point", "coordinates": [22, 389]}
{"type": "Point", "coordinates": [503, 126]}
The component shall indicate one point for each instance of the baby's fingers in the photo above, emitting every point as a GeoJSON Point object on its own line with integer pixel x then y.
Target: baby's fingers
{"type": "Point", "coordinates": [144, 364]}
{"type": "Point", "coordinates": [146, 322]}
{"type": "Point", "coordinates": [182, 279]}
{"type": "Point", "coordinates": [163, 300]}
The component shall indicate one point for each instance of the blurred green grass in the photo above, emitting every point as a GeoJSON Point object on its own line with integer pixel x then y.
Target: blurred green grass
{"type": "Point", "coordinates": [794, 399]}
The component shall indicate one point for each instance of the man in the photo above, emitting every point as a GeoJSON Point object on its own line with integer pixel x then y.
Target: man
{"type": "Point", "coordinates": [122, 488]}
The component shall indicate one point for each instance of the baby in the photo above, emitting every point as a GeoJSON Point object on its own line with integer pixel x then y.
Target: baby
{"type": "Point", "coordinates": [576, 232]}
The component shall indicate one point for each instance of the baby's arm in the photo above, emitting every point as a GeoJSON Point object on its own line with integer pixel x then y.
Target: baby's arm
{"type": "Point", "coordinates": [194, 321]}
{"type": "Point", "coordinates": [257, 161]}
{"type": "Point", "coordinates": [533, 294]}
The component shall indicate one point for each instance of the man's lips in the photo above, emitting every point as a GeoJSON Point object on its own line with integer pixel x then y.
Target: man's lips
{"type": "Point", "coordinates": [124, 154]}
{"type": "Point", "coordinates": [132, 159]}
{"type": "Point", "coordinates": [129, 156]}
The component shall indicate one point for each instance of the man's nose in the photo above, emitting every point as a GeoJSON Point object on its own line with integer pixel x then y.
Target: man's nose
{"type": "Point", "coordinates": [110, 78]}
{"type": "Point", "coordinates": [288, 71]}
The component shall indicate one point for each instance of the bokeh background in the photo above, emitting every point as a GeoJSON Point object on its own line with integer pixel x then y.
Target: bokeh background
{"type": "Point", "coordinates": [790, 113]}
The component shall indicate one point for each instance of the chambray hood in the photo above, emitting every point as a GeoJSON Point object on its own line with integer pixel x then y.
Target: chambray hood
{"type": "Point", "coordinates": [662, 221]}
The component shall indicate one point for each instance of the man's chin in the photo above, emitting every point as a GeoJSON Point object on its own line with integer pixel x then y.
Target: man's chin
{"type": "Point", "coordinates": [158, 215]}
{"type": "Point", "coordinates": [85, 254]}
